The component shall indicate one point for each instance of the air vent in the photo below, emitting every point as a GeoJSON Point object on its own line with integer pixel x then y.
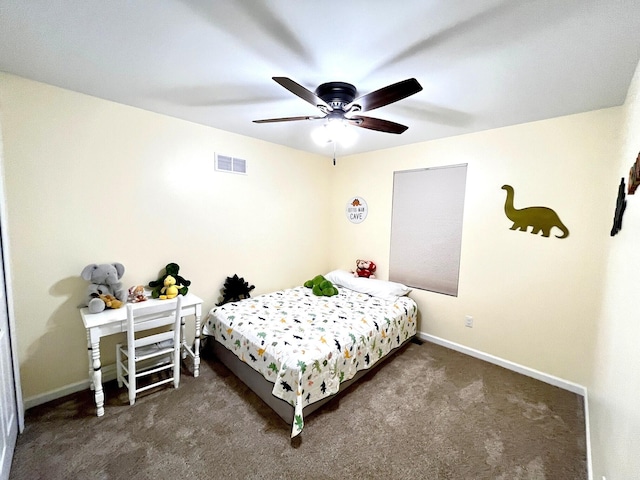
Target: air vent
{"type": "Point", "coordinates": [224, 163]}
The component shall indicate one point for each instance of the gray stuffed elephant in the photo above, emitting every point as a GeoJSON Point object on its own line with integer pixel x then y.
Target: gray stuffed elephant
{"type": "Point", "coordinates": [105, 280]}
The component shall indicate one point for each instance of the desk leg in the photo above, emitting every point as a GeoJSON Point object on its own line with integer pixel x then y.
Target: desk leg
{"type": "Point", "coordinates": [89, 351]}
{"type": "Point", "coordinates": [196, 344]}
{"type": "Point", "coordinates": [183, 339]}
{"type": "Point", "coordinates": [97, 378]}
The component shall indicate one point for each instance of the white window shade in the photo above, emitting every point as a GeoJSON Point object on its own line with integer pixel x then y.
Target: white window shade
{"type": "Point", "coordinates": [426, 228]}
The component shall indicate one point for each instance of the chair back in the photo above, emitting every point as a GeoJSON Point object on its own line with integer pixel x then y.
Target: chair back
{"type": "Point", "coordinates": [146, 317]}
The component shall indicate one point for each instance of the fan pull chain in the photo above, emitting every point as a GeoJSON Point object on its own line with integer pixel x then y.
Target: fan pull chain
{"type": "Point", "coordinates": [334, 153]}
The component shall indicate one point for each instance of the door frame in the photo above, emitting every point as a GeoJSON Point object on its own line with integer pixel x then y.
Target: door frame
{"type": "Point", "coordinates": [6, 257]}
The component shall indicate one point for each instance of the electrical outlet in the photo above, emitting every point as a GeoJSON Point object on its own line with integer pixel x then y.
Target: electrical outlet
{"type": "Point", "coordinates": [468, 321]}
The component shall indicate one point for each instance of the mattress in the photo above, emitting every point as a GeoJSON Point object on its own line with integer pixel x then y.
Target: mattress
{"type": "Point", "coordinates": [308, 345]}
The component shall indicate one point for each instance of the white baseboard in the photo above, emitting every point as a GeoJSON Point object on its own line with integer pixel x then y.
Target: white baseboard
{"type": "Point", "coordinates": [529, 372]}
{"type": "Point", "coordinates": [108, 374]}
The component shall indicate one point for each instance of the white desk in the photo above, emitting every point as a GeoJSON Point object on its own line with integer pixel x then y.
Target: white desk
{"type": "Point", "coordinates": [112, 321]}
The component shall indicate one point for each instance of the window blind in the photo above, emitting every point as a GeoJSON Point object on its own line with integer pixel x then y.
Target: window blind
{"type": "Point", "coordinates": [426, 228]}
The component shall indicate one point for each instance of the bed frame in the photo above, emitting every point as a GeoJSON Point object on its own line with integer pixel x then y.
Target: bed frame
{"type": "Point", "coordinates": [263, 388]}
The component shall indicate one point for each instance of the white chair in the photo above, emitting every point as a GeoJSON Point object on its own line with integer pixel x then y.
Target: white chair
{"type": "Point", "coordinates": [150, 353]}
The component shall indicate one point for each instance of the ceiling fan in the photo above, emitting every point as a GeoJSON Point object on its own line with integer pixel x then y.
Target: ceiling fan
{"type": "Point", "coordinates": [337, 101]}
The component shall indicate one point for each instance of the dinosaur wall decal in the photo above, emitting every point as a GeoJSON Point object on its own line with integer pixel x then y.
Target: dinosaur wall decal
{"type": "Point", "coordinates": [539, 218]}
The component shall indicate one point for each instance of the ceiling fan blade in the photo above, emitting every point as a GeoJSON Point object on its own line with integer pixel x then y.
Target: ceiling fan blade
{"type": "Point", "coordinates": [377, 124]}
{"type": "Point", "coordinates": [288, 119]}
{"type": "Point", "coordinates": [387, 95]}
{"type": "Point", "coordinates": [303, 93]}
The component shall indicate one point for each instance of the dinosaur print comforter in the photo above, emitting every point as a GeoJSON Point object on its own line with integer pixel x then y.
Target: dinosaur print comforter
{"type": "Point", "coordinates": [307, 345]}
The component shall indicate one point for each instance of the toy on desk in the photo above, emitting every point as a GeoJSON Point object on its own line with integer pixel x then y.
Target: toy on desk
{"type": "Point", "coordinates": [136, 294]}
{"type": "Point", "coordinates": [110, 301]}
{"type": "Point", "coordinates": [181, 284]}
{"type": "Point", "coordinates": [169, 290]}
{"type": "Point", "coordinates": [104, 280]}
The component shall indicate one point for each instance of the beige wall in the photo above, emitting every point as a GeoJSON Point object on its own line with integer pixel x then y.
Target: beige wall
{"type": "Point", "coordinates": [91, 181]}
{"type": "Point", "coordinates": [535, 300]}
{"type": "Point", "coordinates": [615, 391]}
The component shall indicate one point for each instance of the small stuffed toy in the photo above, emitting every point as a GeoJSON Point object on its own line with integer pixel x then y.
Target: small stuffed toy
{"type": "Point", "coordinates": [110, 301]}
{"type": "Point", "coordinates": [104, 280]}
{"type": "Point", "coordinates": [171, 269]}
{"type": "Point", "coordinates": [136, 294]}
{"type": "Point", "coordinates": [235, 289]}
{"type": "Point", "coordinates": [321, 287]}
{"type": "Point", "coordinates": [169, 290]}
{"type": "Point", "coordinates": [365, 268]}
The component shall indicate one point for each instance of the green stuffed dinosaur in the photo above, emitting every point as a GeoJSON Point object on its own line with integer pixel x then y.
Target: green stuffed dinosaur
{"type": "Point", "coordinates": [321, 286]}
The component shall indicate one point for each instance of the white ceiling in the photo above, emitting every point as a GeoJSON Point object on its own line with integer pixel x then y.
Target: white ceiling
{"type": "Point", "coordinates": [483, 63]}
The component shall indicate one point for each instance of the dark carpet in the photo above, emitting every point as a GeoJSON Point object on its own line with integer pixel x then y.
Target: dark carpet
{"type": "Point", "coordinates": [427, 413]}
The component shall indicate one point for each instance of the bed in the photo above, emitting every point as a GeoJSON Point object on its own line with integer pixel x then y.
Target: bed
{"type": "Point", "coordinates": [297, 350]}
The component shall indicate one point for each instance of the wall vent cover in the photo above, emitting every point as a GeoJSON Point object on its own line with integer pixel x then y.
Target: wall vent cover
{"type": "Point", "coordinates": [225, 163]}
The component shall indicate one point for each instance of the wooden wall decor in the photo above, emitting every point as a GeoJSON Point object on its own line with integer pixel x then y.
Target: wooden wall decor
{"type": "Point", "coordinates": [541, 219]}
{"type": "Point", "coordinates": [634, 176]}
{"type": "Point", "coordinates": [621, 205]}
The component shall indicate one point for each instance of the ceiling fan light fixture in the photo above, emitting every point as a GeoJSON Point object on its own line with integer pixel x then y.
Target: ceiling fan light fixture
{"type": "Point", "coordinates": [334, 131]}
{"type": "Point", "coordinates": [338, 103]}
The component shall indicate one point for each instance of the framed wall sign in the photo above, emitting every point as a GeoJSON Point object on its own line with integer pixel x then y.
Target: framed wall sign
{"type": "Point", "coordinates": [356, 210]}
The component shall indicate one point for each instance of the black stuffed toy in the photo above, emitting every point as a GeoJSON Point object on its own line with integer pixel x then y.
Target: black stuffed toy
{"type": "Point", "coordinates": [171, 269]}
{"type": "Point", "coordinates": [235, 289]}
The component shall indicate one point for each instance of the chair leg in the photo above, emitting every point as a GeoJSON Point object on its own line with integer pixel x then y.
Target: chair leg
{"type": "Point", "coordinates": [176, 367]}
{"type": "Point", "coordinates": [132, 381]}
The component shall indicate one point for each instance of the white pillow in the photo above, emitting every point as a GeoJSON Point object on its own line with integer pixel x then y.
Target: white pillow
{"type": "Point", "coordinates": [389, 291]}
